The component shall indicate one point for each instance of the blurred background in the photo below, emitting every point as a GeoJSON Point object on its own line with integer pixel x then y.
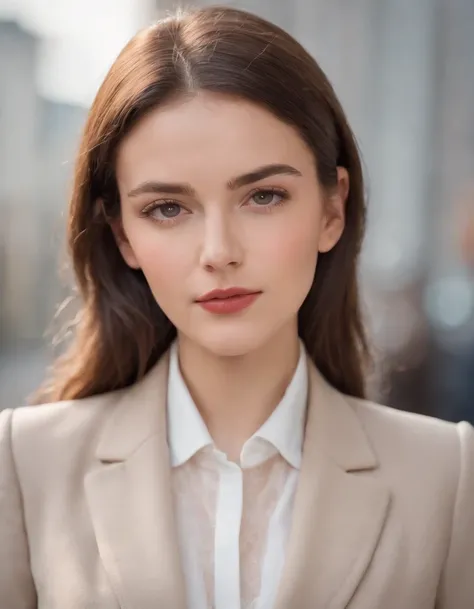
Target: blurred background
{"type": "Point", "coordinates": [404, 72]}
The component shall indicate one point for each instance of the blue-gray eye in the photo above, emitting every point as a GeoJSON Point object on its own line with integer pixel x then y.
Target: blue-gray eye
{"type": "Point", "coordinates": [263, 197]}
{"type": "Point", "coordinates": [169, 210]}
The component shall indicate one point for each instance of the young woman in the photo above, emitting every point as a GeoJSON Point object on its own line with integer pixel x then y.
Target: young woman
{"type": "Point", "coordinates": [206, 441]}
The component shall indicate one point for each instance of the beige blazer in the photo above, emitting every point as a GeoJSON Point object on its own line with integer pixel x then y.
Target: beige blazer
{"type": "Point", "coordinates": [383, 517]}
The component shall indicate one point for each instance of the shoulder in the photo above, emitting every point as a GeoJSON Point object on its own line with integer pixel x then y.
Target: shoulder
{"type": "Point", "coordinates": [110, 423]}
{"type": "Point", "coordinates": [428, 466]}
{"type": "Point", "coordinates": [65, 436]}
{"type": "Point", "coordinates": [391, 428]}
{"type": "Point", "coordinates": [45, 433]}
{"type": "Point", "coordinates": [399, 424]}
{"type": "Point", "coordinates": [428, 451]}
{"type": "Point", "coordinates": [61, 418]}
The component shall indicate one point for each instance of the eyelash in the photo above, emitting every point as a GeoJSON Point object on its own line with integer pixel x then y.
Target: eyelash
{"type": "Point", "coordinates": [149, 209]}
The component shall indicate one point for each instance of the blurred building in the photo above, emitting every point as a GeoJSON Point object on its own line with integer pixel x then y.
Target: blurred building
{"type": "Point", "coordinates": [38, 138]}
{"type": "Point", "coordinates": [18, 175]}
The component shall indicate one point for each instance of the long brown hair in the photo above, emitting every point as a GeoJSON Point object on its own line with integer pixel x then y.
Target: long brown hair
{"type": "Point", "coordinates": [120, 331]}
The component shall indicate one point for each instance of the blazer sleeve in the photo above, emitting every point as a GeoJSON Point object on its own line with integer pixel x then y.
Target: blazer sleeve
{"type": "Point", "coordinates": [17, 590]}
{"type": "Point", "coordinates": [456, 589]}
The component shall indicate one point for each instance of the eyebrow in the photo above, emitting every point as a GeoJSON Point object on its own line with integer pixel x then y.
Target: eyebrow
{"type": "Point", "coordinates": [244, 180]}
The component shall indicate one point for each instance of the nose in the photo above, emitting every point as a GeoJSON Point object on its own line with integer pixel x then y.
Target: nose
{"type": "Point", "coordinates": [221, 248]}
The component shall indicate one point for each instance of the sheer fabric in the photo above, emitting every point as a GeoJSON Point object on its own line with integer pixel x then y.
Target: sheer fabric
{"type": "Point", "coordinates": [234, 520]}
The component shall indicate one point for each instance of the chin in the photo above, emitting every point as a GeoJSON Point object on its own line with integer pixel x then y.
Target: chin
{"type": "Point", "coordinates": [231, 342]}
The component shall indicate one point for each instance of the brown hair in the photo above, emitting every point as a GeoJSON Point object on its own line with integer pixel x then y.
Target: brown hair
{"type": "Point", "coordinates": [120, 331]}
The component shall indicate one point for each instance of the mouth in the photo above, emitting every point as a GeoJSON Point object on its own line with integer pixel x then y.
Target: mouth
{"type": "Point", "coordinates": [226, 294]}
{"type": "Point", "coordinates": [228, 301]}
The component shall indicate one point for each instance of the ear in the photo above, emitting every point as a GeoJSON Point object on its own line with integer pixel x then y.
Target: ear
{"type": "Point", "coordinates": [334, 216]}
{"type": "Point", "coordinates": [118, 231]}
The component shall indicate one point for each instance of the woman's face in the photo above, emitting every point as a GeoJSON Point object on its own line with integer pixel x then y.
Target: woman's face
{"type": "Point", "coordinates": [217, 193]}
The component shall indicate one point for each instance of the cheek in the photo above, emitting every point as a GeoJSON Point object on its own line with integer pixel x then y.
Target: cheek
{"type": "Point", "coordinates": [162, 259]}
{"type": "Point", "coordinates": [291, 251]}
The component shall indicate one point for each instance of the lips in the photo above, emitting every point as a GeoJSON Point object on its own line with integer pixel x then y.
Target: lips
{"type": "Point", "coordinates": [225, 294]}
{"type": "Point", "coordinates": [225, 302]}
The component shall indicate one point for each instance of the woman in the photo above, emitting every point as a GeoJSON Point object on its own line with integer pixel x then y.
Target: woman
{"type": "Point", "coordinates": [206, 441]}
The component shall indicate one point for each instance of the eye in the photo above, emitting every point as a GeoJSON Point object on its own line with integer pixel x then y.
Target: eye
{"type": "Point", "coordinates": [168, 210]}
{"type": "Point", "coordinates": [264, 197]}
{"type": "Point", "coordinates": [268, 197]}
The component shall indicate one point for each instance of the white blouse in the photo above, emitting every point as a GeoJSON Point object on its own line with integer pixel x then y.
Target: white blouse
{"type": "Point", "coordinates": [233, 521]}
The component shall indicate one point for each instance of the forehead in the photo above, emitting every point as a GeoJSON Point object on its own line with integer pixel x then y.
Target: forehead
{"type": "Point", "coordinates": [208, 133]}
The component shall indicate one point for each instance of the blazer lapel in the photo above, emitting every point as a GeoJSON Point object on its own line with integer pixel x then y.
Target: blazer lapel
{"type": "Point", "coordinates": [338, 515]}
{"type": "Point", "coordinates": [339, 512]}
{"type": "Point", "coordinates": [130, 499]}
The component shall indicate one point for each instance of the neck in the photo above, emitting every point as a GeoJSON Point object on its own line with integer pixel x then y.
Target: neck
{"type": "Point", "coordinates": [236, 394]}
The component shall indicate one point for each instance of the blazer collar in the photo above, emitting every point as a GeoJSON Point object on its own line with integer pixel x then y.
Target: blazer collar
{"type": "Point", "coordinates": [137, 413]}
{"type": "Point", "coordinates": [140, 412]}
{"type": "Point", "coordinates": [130, 499]}
{"type": "Point", "coordinates": [338, 514]}
{"type": "Point", "coordinates": [337, 519]}
{"type": "Point", "coordinates": [334, 429]}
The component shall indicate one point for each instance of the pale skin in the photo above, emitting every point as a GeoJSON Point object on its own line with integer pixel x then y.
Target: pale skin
{"type": "Point", "coordinates": [261, 232]}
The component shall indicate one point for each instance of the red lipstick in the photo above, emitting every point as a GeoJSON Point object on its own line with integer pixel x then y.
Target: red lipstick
{"type": "Point", "coordinates": [231, 300]}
